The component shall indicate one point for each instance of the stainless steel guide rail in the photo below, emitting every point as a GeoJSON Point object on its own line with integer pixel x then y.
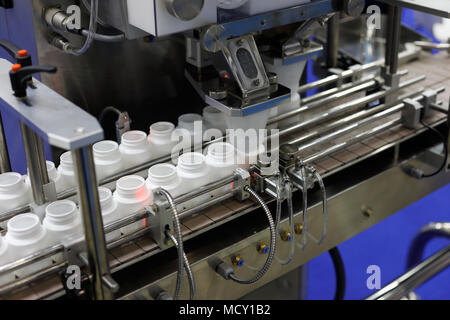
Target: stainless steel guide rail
{"type": "Point", "coordinates": [40, 113]}
{"type": "Point", "coordinates": [324, 129]}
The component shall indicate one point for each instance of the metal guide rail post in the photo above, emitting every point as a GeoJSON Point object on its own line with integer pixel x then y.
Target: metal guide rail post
{"type": "Point", "coordinates": [42, 113]}
{"type": "Point", "coordinates": [160, 219]}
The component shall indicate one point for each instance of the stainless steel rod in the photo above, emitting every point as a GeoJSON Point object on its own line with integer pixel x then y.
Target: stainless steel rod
{"type": "Point", "coordinates": [4, 216]}
{"type": "Point", "coordinates": [339, 95]}
{"type": "Point", "coordinates": [395, 44]}
{"type": "Point", "coordinates": [189, 212]}
{"type": "Point", "coordinates": [334, 78]}
{"type": "Point", "coordinates": [333, 40]}
{"type": "Point", "coordinates": [358, 103]}
{"type": "Point", "coordinates": [35, 257]}
{"type": "Point", "coordinates": [358, 138]}
{"type": "Point", "coordinates": [125, 221]}
{"type": "Point", "coordinates": [342, 94]}
{"type": "Point", "coordinates": [388, 46]}
{"type": "Point", "coordinates": [350, 119]}
{"type": "Point", "coordinates": [412, 279]}
{"type": "Point", "coordinates": [351, 127]}
{"type": "Point", "coordinates": [343, 87]}
{"type": "Point", "coordinates": [34, 277]}
{"type": "Point", "coordinates": [36, 162]}
{"type": "Point", "coordinates": [329, 92]}
{"type": "Point", "coordinates": [403, 57]}
{"type": "Point", "coordinates": [203, 190]}
{"type": "Point", "coordinates": [92, 219]}
{"type": "Point", "coordinates": [5, 163]}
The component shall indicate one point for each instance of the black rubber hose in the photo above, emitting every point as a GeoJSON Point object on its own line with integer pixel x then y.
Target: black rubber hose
{"type": "Point", "coordinates": [444, 141]}
{"type": "Point", "coordinates": [104, 37]}
{"type": "Point", "coordinates": [340, 273]}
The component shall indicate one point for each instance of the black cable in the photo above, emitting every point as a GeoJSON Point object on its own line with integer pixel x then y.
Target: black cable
{"type": "Point", "coordinates": [101, 118]}
{"type": "Point", "coordinates": [340, 273]}
{"type": "Point", "coordinates": [419, 173]}
{"type": "Point", "coordinates": [103, 37]}
{"type": "Point", "coordinates": [444, 141]}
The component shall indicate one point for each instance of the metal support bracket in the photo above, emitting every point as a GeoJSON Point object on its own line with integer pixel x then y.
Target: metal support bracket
{"type": "Point", "coordinates": [411, 114]}
{"type": "Point", "coordinates": [73, 248]}
{"type": "Point", "coordinates": [243, 181]}
{"type": "Point", "coordinates": [160, 219]}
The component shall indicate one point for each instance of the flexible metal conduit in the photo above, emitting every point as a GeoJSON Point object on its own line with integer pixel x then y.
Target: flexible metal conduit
{"type": "Point", "coordinates": [187, 267]}
{"type": "Point", "coordinates": [288, 186]}
{"type": "Point", "coordinates": [273, 243]}
{"type": "Point", "coordinates": [179, 239]}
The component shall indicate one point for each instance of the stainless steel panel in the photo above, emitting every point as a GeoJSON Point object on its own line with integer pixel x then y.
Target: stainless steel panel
{"type": "Point", "coordinates": [346, 219]}
{"type": "Point", "coordinates": [44, 111]}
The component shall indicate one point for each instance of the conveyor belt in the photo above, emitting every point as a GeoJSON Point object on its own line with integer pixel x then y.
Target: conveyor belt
{"type": "Point", "coordinates": [437, 70]}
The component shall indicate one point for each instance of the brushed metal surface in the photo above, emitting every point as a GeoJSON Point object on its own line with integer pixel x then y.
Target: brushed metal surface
{"type": "Point", "coordinates": [346, 220]}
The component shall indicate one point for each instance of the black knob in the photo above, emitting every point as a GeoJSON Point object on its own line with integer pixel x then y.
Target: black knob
{"type": "Point", "coordinates": [20, 75]}
{"type": "Point", "coordinates": [20, 56]}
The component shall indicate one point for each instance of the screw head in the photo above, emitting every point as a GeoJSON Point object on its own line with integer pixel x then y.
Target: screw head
{"type": "Point", "coordinates": [263, 248]}
{"type": "Point", "coordinates": [286, 236]}
{"type": "Point", "coordinates": [237, 260]}
{"type": "Point", "coordinates": [299, 228]}
{"type": "Point", "coordinates": [367, 211]}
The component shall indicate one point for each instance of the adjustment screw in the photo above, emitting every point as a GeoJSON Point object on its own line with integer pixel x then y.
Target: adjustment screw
{"type": "Point", "coordinates": [367, 211]}
{"type": "Point", "coordinates": [298, 228]}
{"type": "Point", "coordinates": [263, 248]}
{"type": "Point", "coordinates": [237, 260]}
{"type": "Point", "coordinates": [286, 236]}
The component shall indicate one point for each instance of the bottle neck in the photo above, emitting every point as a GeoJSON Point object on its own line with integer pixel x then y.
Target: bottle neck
{"type": "Point", "coordinates": [161, 131]}
{"type": "Point", "coordinates": [192, 162]}
{"type": "Point", "coordinates": [163, 175]}
{"type": "Point", "coordinates": [61, 213]}
{"type": "Point", "coordinates": [131, 187]}
{"type": "Point", "coordinates": [106, 199]}
{"type": "Point", "coordinates": [11, 182]}
{"type": "Point", "coordinates": [66, 161]}
{"type": "Point", "coordinates": [135, 140]}
{"type": "Point", "coordinates": [221, 153]}
{"type": "Point", "coordinates": [24, 227]}
{"type": "Point", "coordinates": [106, 150]}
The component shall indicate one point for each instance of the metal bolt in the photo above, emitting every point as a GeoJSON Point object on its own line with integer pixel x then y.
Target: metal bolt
{"type": "Point", "coordinates": [367, 211]}
{"type": "Point", "coordinates": [237, 260]}
{"type": "Point", "coordinates": [286, 236]}
{"type": "Point", "coordinates": [263, 248]}
{"type": "Point", "coordinates": [257, 82]}
{"type": "Point", "coordinates": [273, 77]}
{"type": "Point", "coordinates": [298, 229]}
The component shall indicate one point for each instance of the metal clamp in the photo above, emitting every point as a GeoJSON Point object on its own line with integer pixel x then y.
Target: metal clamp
{"type": "Point", "coordinates": [160, 218]}
{"type": "Point", "coordinates": [357, 72]}
{"type": "Point", "coordinates": [74, 247]}
{"type": "Point", "coordinates": [243, 180]}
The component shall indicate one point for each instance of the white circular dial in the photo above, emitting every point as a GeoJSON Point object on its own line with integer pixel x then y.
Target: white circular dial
{"type": "Point", "coordinates": [230, 4]}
